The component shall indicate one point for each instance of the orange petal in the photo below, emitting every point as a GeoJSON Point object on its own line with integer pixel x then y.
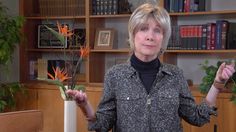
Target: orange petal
{"type": "Point", "coordinates": [51, 76]}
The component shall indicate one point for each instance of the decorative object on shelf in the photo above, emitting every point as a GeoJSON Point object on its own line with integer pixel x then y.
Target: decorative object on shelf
{"type": "Point", "coordinates": [104, 38]}
{"type": "Point", "coordinates": [46, 39]}
{"type": "Point", "coordinates": [10, 36]}
{"type": "Point", "coordinates": [66, 78]}
{"type": "Point", "coordinates": [78, 39]}
{"type": "Point", "coordinates": [208, 79]}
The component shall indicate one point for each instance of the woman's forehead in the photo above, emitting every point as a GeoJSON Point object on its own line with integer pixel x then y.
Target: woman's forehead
{"type": "Point", "coordinates": [149, 21]}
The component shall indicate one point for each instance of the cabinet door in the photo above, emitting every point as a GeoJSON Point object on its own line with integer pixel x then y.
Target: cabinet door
{"type": "Point", "coordinates": [186, 126]}
{"type": "Point", "coordinates": [94, 95]}
{"type": "Point", "coordinates": [228, 116]}
{"type": "Point", "coordinates": [52, 106]}
{"type": "Point", "coordinates": [27, 101]}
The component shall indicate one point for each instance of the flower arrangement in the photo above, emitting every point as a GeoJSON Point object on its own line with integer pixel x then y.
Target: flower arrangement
{"type": "Point", "coordinates": [66, 78]}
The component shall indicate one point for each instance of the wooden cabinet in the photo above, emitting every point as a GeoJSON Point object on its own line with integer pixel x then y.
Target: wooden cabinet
{"type": "Point", "coordinates": [225, 119]}
{"type": "Point", "coordinates": [47, 98]}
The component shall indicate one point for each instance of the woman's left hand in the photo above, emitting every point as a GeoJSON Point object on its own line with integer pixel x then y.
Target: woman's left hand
{"type": "Point", "coordinates": [224, 72]}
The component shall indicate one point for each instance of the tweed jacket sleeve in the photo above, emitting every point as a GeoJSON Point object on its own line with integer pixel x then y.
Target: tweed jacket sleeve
{"type": "Point", "coordinates": [194, 114]}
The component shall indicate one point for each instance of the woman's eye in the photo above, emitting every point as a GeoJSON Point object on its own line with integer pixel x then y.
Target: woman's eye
{"type": "Point", "coordinates": [143, 28]}
{"type": "Point", "coordinates": [157, 30]}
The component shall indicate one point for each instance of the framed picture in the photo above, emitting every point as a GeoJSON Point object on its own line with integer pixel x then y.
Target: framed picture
{"type": "Point", "coordinates": [104, 38]}
{"type": "Point", "coordinates": [48, 40]}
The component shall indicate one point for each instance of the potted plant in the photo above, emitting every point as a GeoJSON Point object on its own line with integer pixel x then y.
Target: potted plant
{"type": "Point", "coordinates": [208, 79]}
{"type": "Point", "coordinates": [10, 34]}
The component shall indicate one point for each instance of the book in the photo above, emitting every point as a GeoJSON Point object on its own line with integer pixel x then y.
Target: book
{"type": "Point", "coordinates": [204, 37]}
{"type": "Point", "coordinates": [231, 36]}
{"type": "Point", "coordinates": [221, 29]}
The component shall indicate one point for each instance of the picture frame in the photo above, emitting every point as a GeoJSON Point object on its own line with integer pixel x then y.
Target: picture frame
{"type": "Point", "coordinates": [104, 38]}
{"type": "Point", "coordinates": [46, 39]}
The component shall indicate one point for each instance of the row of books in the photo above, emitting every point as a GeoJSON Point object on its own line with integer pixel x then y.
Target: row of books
{"type": "Point", "coordinates": [211, 36]}
{"type": "Point", "coordinates": [104, 7]}
{"type": "Point", "coordinates": [187, 5]}
{"type": "Point", "coordinates": [110, 7]}
{"type": "Point", "coordinates": [62, 7]}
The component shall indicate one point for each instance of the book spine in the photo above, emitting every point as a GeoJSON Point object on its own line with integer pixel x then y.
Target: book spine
{"type": "Point", "coordinates": [225, 25]}
{"type": "Point", "coordinates": [115, 7]}
{"type": "Point", "coordinates": [167, 5]}
{"type": "Point", "coordinates": [181, 5]}
{"type": "Point", "coordinates": [218, 34]}
{"type": "Point", "coordinates": [231, 36]}
{"type": "Point", "coordinates": [213, 31]}
{"type": "Point", "coordinates": [98, 5]}
{"type": "Point", "coordinates": [110, 6]}
{"type": "Point", "coordinates": [208, 44]}
{"type": "Point", "coordinates": [199, 37]}
{"type": "Point", "coordinates": [186, 5]}
{"type": "Point", "coordinates": [204, 37]}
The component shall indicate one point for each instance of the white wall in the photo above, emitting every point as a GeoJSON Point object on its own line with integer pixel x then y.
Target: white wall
{"type": "Point", "coordinates": [13, 6]}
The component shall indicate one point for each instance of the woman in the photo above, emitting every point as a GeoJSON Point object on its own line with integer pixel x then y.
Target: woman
{"type": "Point", "coordinates": [145, 95]}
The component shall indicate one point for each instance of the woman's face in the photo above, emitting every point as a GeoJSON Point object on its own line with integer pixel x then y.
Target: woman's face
{"type": "Point", "coordinates": [147, 40]}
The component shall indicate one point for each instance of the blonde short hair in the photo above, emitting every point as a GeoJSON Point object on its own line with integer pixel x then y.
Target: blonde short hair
{"type": "Point", "coordinates": [142, 14]}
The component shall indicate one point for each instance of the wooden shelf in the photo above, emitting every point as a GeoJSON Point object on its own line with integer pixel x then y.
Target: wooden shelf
{"type": "Point", "coordinates": [112, 51]}
{"type": "Point", "coordinates": [201, 51]}
{"type": "Point", "coordinates": [54, 17]}
{"type": "Point", "coordinates": [51, 50]}
{"type": "Point", "coordinates": [224, 12]}
{"type": "Point", "coordinates": [111, 16]}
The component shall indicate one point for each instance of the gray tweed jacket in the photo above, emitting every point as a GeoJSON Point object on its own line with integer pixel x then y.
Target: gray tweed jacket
{"type": "Point", "coordinates": [126, 105]}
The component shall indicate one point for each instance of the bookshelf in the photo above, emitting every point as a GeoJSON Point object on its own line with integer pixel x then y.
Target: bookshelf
{"type": "Point", "coordinates": [99, 60]}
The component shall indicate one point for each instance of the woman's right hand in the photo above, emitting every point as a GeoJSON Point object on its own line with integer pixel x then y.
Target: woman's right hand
{"type": "Point", "coordinates": [82, 101]}
{"type": "Point", "coordinates": [79, 96]}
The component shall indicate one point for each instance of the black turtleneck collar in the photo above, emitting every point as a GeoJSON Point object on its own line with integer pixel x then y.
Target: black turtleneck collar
{"type": "Point", "coordinates": [147, 70]}
{"type": "Point", "coordinates": [140, 66]}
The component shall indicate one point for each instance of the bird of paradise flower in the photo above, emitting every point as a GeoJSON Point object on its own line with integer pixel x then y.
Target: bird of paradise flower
{"type": "Point", "coordinates": [61, 75]}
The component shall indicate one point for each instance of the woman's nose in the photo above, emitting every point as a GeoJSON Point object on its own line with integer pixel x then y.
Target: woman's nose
{"type": "Point", "coordinates": [149, 36]}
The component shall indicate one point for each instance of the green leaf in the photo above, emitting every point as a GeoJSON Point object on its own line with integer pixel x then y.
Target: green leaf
{"type": "Point", "coordinates": [80, 87]}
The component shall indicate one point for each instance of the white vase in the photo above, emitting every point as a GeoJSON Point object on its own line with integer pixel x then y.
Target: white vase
{"type": "Point", "coordinates": [70, 116]}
